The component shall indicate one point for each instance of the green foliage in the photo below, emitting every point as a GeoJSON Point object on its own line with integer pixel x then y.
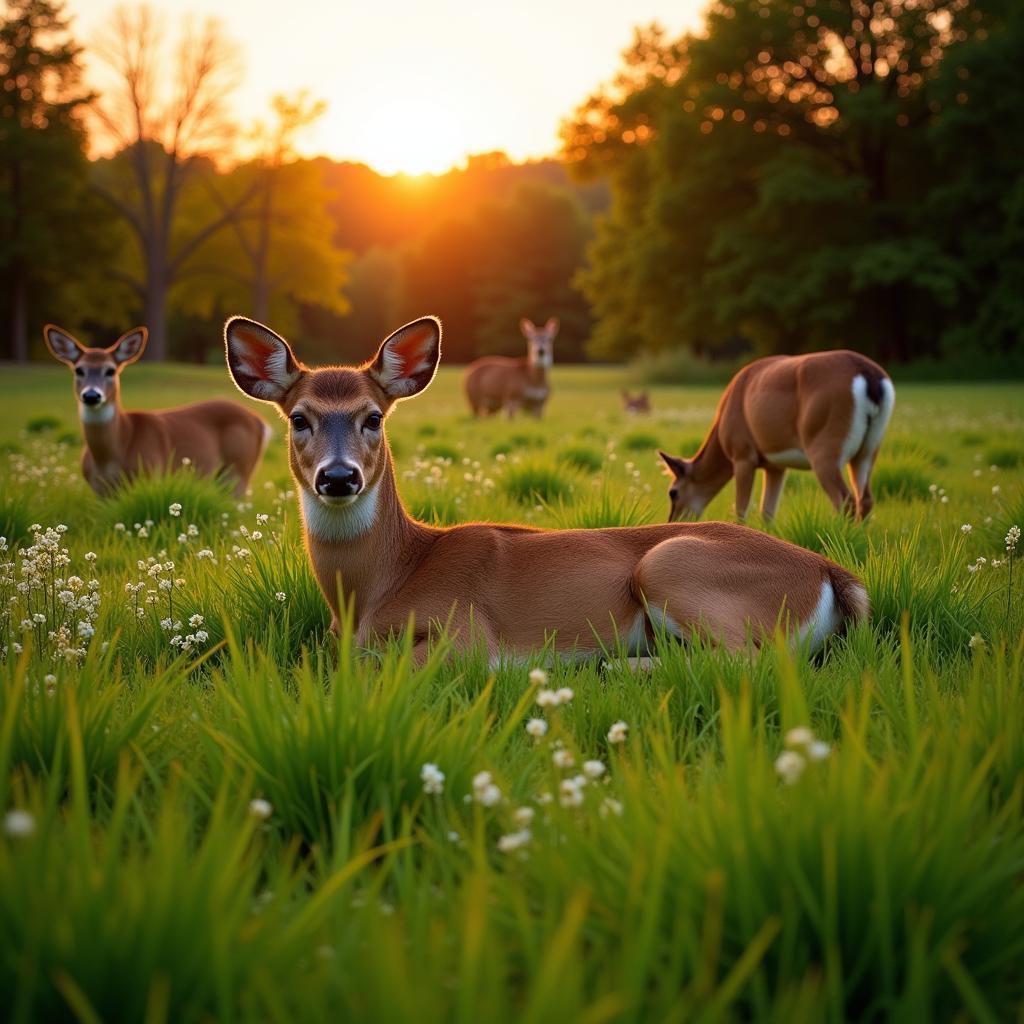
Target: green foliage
{"type": "Point", "coordinates": [640, 441]}
{"type": "Point", "coordinates": [148, 498]}
{"type": "Point", "coordinates": [581, 457]}
{"type": "Point", "coordinates": [1005, 456]}
{"type": "Point", "coordinates": [768, 186]}
{"type": "Point", "coordinates": [41, 424]}
{"type": "Point", "coordinates": [905, 477]}
{"type": "Point", "coordinates": [529, 482]}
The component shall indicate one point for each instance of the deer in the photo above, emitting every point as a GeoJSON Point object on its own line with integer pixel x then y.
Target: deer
{"type": "Point", "coordinates": [511, 588]}
{"type": "Point", "coordinates": [824, 411]}
{"type": "Point", "coordinates": [638, 404]}
{"type": "Point", "coordinates": [498, 382]}
{"type": "Point", "coordinates": [215, 437]}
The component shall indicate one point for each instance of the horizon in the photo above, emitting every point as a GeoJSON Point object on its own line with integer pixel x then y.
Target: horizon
{"type": "Point", "coordinates": [417, 131]}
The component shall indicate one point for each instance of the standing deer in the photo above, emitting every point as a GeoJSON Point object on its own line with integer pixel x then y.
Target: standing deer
{"type": "Point", "coordinates": [638, 404]}
{"type": "Point", "coordinates": [498, 382]}
{"type": "Point", "coordinates": [215, 436]}
{"type": "Point", "coordinates": [826, 411]}
{"type": "Point", "coordinates": [509, 587]}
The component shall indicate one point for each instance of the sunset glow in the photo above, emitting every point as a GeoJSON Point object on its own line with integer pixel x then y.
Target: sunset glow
{"type": "Point", "coordinates": [417, 88]}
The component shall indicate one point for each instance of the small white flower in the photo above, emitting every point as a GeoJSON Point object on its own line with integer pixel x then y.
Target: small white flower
{"type": "Point", "coordinates": [617, 732]}
{"type": "Point", "coordinates": [1012, 536]}
{"type": "Point", "coordinates": [538, 677]}
{"type": "Point", "coordinates": [564, 695]}
{"type": "Point", "coordinates": [818, 750]}
{"type": "Point", "coordinates": [19, 824]}
{"type": "Point", "coordinates": [563, 759]}
{"type": "Point", "coordinates": [433, 779]}
{"type": "Point", "coordinates": [536, 727]}
{"type": "Point", "coordinates": [801, 736]}
{"type": "Point", "coordinates": [90, 556]}
{"type": "Point", "coordinates": [790, 766]}
{"type": "Point", "coordinates": [515, 841]}
{"type": "Point", "coordinates": [996, 489]}
{"type": "Point", "coordinates": [966, 528]}
{"type": "Point", "coordinates": [489, 795]}
{"type": "Point", "coordinates": [174, 508]}
{"type": "Point", "coordinates": [196, 620]}
{"type": "Point", "coordinates": [547, 699]}
{"type": "Point", "coordinates": [260, 808]}
{"type": "Point", "coordinates": [524, 816]}
{"type": "Point", "coordinates": [281, 596]}
{"type": "Point", "coordinates": [482, 780]}
{"type": "Point", "coordinates": [570, 793]}
{"type": "Point", "coordinates": [976, 641]}
{"type": "Point", "coordinates": [593, 769]}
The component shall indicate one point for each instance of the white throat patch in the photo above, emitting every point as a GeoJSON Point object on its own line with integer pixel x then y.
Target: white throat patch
{"type": "Point", "coordinates": [340, 522]}
{"type": "Point", "coordinates": [103, 413]}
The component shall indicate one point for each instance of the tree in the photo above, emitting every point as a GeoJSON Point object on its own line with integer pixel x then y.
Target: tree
{"type": "Point", "coordinates": [45, 217]}
{"type": "Point", "coordinates": [167, 137]}
{"type": "Point", "coordinates": [773, 177]}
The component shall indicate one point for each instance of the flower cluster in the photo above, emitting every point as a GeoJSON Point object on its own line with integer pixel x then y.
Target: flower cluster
{"type": "Point", "coordinates": [802, 747]}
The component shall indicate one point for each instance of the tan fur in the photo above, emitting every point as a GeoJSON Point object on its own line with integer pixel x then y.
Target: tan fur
{"type": "Point", "coordinates": [508, 587]}
{"type": "Point", "coordinates": [498, 382]}
{"type": "Point", "coordinates": [826, 411]}
{"type": "Point", "coordinates": [638, 404]}
{"type": "Point", "coordinates": [214, 436]}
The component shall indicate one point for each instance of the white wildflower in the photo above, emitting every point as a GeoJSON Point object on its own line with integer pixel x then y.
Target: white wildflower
{"type": "Point", "coordinates": [536, 727]}
{"type": "Point", "coordinates": [801, 736]}
{"type": "Point", "coordinates": [593, 769]}
{"type": "Point", "coordinates": [524, 816]}
{"type": "Point", "coordinates": [617, 732]}
{"type": "Point", "coordinates": [19, 824]}
{"type": "Point", "coordinates": [538, 677]}
{"type": "Point", "coordinates": [433, 779]}
{"type": "Point", "coordinates": [563, 759]}
{"type": "Point", "coordinates": [174, 508]}
{"type": "Point", "coordinates": [818, 750]}
{"type": "Point", "coordinates": [281, 596]}
{"type": "Point", "coordinates": [514, 841]}
{"type": "Point", "coordinates": [610, 806]}
{"type": "Point", "coordinates": [790, 766]}
{"type": "Point", "coordinates": [260, 808]}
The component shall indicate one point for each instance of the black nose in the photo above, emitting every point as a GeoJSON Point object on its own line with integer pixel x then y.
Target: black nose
{"type": "Point", "coordinates": [339, 481]}
{"type": "Point", "coordinates": [92, 397]}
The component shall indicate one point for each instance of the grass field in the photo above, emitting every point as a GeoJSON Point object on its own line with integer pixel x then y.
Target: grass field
{"type": "Point", "coordinates": [229, 818]}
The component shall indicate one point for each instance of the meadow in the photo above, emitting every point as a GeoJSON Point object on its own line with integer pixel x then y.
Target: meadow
{"type": "Point", "coordinates": [215, 810]}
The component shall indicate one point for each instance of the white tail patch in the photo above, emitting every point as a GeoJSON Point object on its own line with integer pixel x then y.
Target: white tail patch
{"type": "Point", "coordinates": [823, 621]}
{"type": "Point", "coordinates": [868, 421]}
{"type": "Point", "coordinates": [341, 522]}
{"type": "Point", "coordinates": [661, 620]}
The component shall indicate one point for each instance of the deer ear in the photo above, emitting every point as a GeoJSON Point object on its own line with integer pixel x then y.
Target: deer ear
{"type": "Point", "coordinates": [527, 327]}
{"type": "Point", "coordinates": [260, 361]}
{"type": "Point", "coordinates": [551, 327]}
{"type": "Point", "coordinates": [677, 467]}
{"type": "Point", "coordinates": [129, 346]}
{"type": "Point", "coordinates": [62, 345]}
{"type": "Point", "coordinates": [407, 360]}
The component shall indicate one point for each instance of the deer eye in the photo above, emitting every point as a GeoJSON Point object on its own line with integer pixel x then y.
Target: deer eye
{"type": "Point", "coordinates": [299, 422]}
{"type": "Point", "coordinates": [373, 421]}
{"type": "Point", "coordinates": [79, 372]}
{"type": "Point", "coordinates": [110, 371]}
{"type": "Point", "coordinates": [673, 493]}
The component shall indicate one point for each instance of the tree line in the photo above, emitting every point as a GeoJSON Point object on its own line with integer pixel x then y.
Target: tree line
{"type": "Point", "coordinates": [816, 173]}
{"type": "Point", "coordinates": [186, 216]}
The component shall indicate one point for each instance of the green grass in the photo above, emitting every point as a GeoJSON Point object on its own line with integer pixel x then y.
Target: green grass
{"type": "Point", "coordinates": [235, 827]}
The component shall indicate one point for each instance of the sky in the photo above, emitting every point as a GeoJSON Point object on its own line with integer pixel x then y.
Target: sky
{"type": "Point", "coordinates": [413, 87]}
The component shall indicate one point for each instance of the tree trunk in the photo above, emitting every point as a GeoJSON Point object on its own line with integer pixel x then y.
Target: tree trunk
{"type": "Point", "coordinates": [156, 318]}
{"type": "Point", "coordinates": [19, 315]}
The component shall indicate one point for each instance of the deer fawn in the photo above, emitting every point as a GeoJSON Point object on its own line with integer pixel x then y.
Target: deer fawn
{"type": "Point", "coordinates": [509, 587]}
{"type": "Point", "coordinates": [215, 436]}
{"type": "Point", "coordinates": [497, 382]}
{"type": "Point", "coordinates": [638, 404]}
{"type": "Point", "coordinates": [826, 411]}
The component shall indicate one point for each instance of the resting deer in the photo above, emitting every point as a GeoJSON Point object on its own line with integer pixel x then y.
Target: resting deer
{"type": "Point", "coordinates": [826, 411]}
{"type": "Point", "coordinates": [498, 382]}
{"type": "Point", "coordinates": [638, 404]}
{"type": "Point", "coordinates": [509, 587]}
{"type": "Point", "coordinates": [214, 436]}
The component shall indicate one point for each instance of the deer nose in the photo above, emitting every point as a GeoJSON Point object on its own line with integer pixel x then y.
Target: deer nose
{"type": "Point", "coordinates": [338, 481]}
{"type": "Point", "coordinates": [92, 397]}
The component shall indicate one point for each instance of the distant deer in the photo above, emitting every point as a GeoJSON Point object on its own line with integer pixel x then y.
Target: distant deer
{"type": "Point", "coordinates": [214, 436]}
{"type": "Point", "coordinates": [638, 404]}
{"type": "Point", "coordinates": [826, 411]}
{"type": "Point", "coordinates": [509, 587]}
{"type": "Point", "coordinates": [498, 382]}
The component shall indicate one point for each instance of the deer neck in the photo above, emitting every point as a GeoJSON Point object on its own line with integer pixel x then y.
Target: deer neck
{"type": "Point", "coordinates": [536, 373]}
{"type": "Point", "coordinates": [372, 545]}
{"type": "Point", "coordinates": [105, 430]}
{"type": "Point", "coordinates": [711, 466]}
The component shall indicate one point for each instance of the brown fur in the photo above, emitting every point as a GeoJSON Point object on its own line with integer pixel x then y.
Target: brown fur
{"type": "Point", "coordinates": [508, 587]}
{"type": "Point", "coordinates": [790, 404]}
{"type": "Point", "coordinates": [214, 436]}
{"type": "Point", "coordinates": [639, 404]}
{"type": "Point", "coordinates": [498, 382]}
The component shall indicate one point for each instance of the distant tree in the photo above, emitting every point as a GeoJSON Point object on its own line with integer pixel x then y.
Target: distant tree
{"type": "Point", "coordinates": [166, 114]}
{"type": "Point", "coordinates": [775, 176]}
{"type": "Point", "coordinates": [48, 236]}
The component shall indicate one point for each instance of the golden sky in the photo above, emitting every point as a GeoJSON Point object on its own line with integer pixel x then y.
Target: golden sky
{"type": "Point", "coordinates": [417, 86]}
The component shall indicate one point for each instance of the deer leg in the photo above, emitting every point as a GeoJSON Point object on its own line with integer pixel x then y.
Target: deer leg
{"type": "Point", "coordinates": [774, 478]}
{"type": "Point", "coordinates": [860, 477]}
{"type": "Point", "coordinates": [743, 470]}
{"type": "Point", "coordinates": [826, 468]}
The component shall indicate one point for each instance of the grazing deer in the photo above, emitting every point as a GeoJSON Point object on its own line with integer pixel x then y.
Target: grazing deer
{"type": "Point", "coordinates": [826, 411]}
{"type": "Point", "coordinates": [638, 404]}
{"type": "Point", "coordinates": [215, 436]}
{"type": "Point", "coordinates": [509, 587]}
{"type": "Point", "coordinates": [498, 382]}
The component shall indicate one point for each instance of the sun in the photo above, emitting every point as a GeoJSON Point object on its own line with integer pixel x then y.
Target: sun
{"type": "Point", "coordinates": [406, 136]}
